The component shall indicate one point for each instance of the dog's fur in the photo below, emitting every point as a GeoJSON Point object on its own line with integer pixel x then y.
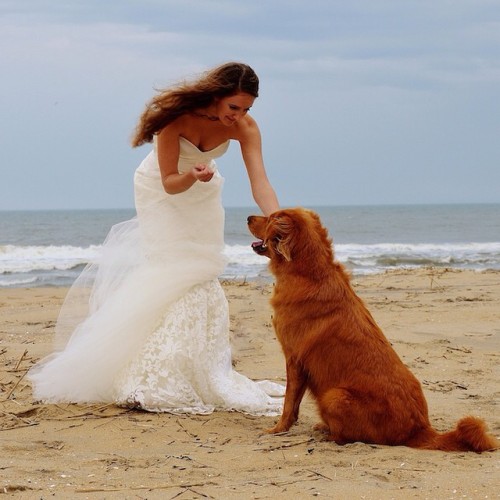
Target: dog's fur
{"type": "Point", "coordinates": [334, 348]}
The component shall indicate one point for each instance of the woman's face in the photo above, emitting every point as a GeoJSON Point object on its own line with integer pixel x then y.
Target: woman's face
{"type": "Point", "coordinates": [232, 108]}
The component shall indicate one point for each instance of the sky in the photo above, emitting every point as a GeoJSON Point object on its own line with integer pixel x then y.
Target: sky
{"type": "Point", "coordinates": [362, 102]}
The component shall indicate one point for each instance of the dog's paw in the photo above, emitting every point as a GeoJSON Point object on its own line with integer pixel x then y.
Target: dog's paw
{"type": "Point", "coordinates": [277, 429]}
{"type": "Point", "coordinates": [321, 427]}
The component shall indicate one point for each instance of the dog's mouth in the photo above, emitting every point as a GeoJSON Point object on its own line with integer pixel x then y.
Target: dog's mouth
{"type": "Point", "coordinates": [259, 247]}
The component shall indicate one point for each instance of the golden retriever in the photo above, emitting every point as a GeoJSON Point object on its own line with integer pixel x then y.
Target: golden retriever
{"type": "Point", "coordinates": [334, 347]}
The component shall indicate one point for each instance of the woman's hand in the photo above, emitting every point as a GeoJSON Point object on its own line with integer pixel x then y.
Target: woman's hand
{"type": "Point", "coordinates": [203, 172]}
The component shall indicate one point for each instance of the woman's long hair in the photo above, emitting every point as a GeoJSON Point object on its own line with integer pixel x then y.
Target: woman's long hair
{"type": "Point", "coordinates": [169, 104]}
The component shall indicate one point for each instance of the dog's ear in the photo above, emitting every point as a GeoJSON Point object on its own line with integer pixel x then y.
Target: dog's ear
{"type": "Point", "coordinates": [282, 227]}
{"type": "Point", "coordinates": [283, 248]}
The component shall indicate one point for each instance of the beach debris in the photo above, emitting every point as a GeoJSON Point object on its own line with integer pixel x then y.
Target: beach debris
{"type": "Point", "coordinates": [285, 445]}
{"type": "Point", "coordinates": [443, 385]}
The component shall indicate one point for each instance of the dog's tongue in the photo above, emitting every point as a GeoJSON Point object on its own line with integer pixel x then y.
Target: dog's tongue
{"type": "Point", "coordinates": [259, 247]}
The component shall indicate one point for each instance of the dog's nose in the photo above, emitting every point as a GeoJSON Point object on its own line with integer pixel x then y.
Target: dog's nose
{"type": "Point", "coordinates": [249, 219]}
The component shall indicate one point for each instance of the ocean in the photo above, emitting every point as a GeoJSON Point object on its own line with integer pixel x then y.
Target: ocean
{"type": "Point", "coordinates": [50, 248]}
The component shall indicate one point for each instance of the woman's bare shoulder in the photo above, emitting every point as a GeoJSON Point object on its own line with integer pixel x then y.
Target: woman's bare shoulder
{"type": "Point", "coordinates": [177, 126]}
{"type": "Point", "coordinates": [169, 135]}
{"type": "Point", "coordinates": [246, 128]}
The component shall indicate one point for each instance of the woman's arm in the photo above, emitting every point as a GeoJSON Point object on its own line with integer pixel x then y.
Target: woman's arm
{"type": "Point", "coordinates": [251, 150]}
{"type": "Point", "coordinates": [168, 158]}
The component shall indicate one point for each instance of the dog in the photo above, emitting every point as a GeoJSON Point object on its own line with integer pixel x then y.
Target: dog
{"type": "Point", "coordinates": [334, 348]}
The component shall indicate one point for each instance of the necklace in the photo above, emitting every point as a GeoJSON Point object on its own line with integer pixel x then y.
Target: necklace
{"type": "Point", "coordinates": [208, 117]}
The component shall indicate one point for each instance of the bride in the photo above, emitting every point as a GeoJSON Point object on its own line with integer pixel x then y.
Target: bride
{"type": "Point", "coordinates": [147, 326]}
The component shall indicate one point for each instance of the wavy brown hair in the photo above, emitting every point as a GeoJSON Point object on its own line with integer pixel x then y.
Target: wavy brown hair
{"type": "Point", "coordinates": [185, 97]}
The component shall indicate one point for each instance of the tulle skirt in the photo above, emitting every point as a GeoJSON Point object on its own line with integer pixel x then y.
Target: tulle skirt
{"type": "Point", "coordinates": [147, 325]}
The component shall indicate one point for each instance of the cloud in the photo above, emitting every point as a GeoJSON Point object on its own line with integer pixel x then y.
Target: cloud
{"type": "Point", "coordinates": [388, 86]}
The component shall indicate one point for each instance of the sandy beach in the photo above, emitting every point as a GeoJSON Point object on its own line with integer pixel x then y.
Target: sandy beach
{"type": "Point", "coordinates": [444, 324]}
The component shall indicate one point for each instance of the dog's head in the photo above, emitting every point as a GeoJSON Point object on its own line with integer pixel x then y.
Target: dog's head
{"type": "Point", "coordinates": [288, 234]}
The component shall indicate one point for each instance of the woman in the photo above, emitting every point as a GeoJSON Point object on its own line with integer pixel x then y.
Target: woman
{"type": "Point", "coordinates": [154, 333]}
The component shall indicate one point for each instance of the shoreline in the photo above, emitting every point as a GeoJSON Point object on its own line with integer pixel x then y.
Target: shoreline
{"type": "Point", "coordinates": [265, 277]}
{"type": "Point", "coordinates": [443, 323]}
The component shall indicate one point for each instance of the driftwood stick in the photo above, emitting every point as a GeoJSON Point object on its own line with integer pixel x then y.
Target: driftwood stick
{"type": "Point", "coordinates": [286, 445]}
{"type": "Point", "coordinates": [319, 474]}
{"type": "Point", "coordinates": [15, 386]}
{"type": "Point", "coordinates": [158, 487]}
{"type": "Point", "coordinates": [20, 359]}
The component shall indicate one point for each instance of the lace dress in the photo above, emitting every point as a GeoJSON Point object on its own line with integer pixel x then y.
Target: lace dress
{"type": "Point", "coordinates": [147, 326]}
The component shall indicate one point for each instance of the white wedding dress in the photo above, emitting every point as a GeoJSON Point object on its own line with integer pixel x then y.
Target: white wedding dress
{"type": "Point", "coordinates": [147, 326]}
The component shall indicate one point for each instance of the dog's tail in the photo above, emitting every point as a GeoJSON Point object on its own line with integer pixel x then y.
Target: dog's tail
{"type": "Point", "coordinates": [470, 434]}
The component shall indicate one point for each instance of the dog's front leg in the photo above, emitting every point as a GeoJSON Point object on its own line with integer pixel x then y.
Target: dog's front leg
{"type": "Point", "coordinates": [295, 388]}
